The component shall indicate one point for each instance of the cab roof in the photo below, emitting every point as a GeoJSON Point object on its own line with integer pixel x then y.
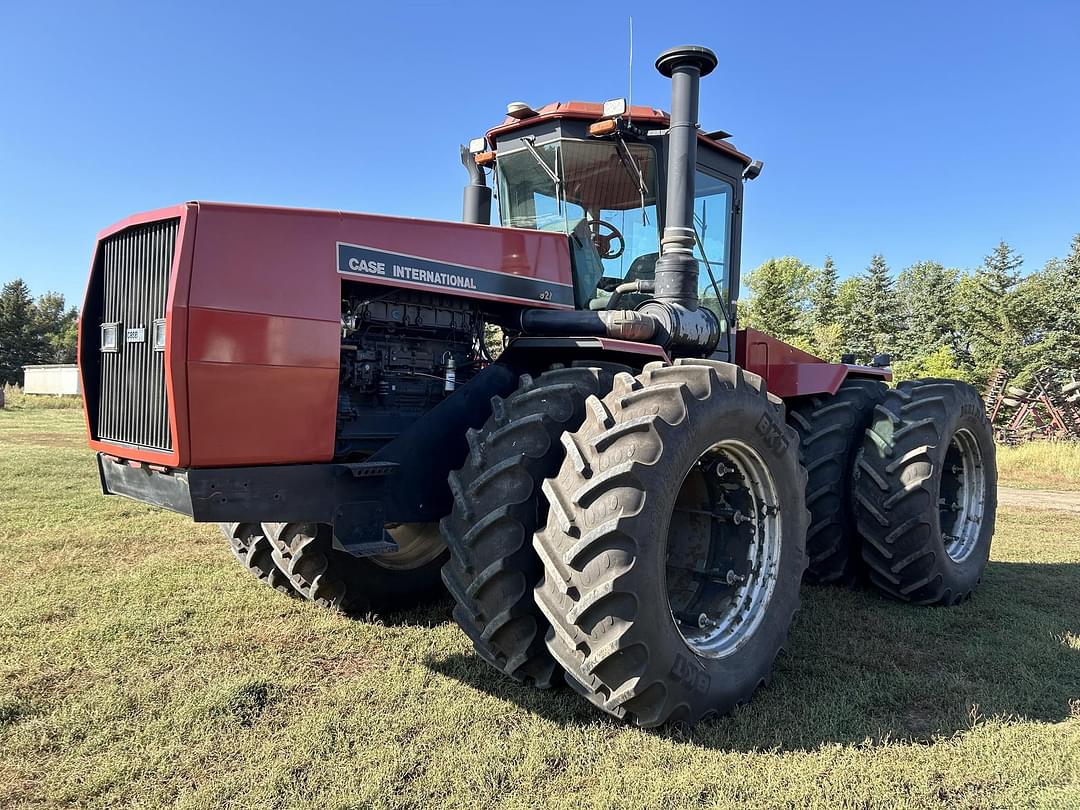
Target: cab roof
{"type": "Point", "coordinates": [593, 111]}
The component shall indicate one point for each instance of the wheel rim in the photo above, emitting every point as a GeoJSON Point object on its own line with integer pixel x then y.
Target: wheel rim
{"type": "Point", "coordinates": [962, 500]}
{"type": "Point", "coordinates": [418, 544]}
{"type": "Point", "coordinates": [723, 549]}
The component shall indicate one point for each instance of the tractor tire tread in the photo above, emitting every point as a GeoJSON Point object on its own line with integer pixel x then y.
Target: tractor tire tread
{"type": "Point", "coordinates": [253, 550]}
{"type": "Point", "coordinates": [830, 429]}
{"type": "Point", "coordinates": [498, 504]}
{"type": "Point", "coordinates": [588, 594]}
{"type": "Point", "coordinates": [895, 490]}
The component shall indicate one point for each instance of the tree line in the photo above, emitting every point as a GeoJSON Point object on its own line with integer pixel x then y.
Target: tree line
{"type": "Point", "coordinates": [934, 321]}
{"type": "Point", "coordinates": [32, 331]}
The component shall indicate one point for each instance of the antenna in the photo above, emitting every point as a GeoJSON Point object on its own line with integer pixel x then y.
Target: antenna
{"type": "Point", "coordinates": [630, 74]}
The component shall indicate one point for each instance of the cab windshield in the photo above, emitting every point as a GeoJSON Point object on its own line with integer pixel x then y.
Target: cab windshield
{"type": "Point", "coordinates": [601, 193]}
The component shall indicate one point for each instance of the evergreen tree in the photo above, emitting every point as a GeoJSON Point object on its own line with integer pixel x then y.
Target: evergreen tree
{"type": "Point", "coordinates": [851, 319]}
{"type": "Point", "coordinates": [58, 325]}
{"type": "Point", "coordinates": [21, 340]}
{"type": "Point", "coordinates": [772, 307]}
{"type": "Point", "coordinates": [924, 299]}
{"type": "Point", "coordinates": [823, 295]}
{"type": "Point", "coordinates": [987, 337]}
{"type": "Point", "coordinates": [1065, 324]}
{"type": "Point", "coordinates": [779, 299]}
{"type": "Point", "coordinates": [1044, 315]}
{"type": "Point", "coordinates": [871, 318]}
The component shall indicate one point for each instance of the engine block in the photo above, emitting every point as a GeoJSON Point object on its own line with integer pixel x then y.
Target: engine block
{"type": "Point", "coordinates": [402, 352]}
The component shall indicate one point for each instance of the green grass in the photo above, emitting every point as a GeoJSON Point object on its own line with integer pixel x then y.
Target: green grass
{"type": "Point", "coordinates": [140, 666]}
{"type": "Point", "coordinates": [1040, 465]}
{"type": "Point", "coordinates": [17, 400]}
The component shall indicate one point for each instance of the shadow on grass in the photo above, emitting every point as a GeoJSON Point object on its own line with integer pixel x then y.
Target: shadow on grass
{"type": "Point", "coordinates": [862, 669]}
{"type": "Point", "coordinates": [429, 615]}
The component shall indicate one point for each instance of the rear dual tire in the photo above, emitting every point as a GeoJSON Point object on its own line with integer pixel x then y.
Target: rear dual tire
{"type": "Point", "coordinates": [335, 579]}
{"type": "Point", "coordinates": [831, 429]}
{"type": "Point", "coordinates": [925, 492]}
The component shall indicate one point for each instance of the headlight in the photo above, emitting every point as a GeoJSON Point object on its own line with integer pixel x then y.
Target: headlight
{"type": "Point", "coordinates": [110, 337]}
{"type": "Point", "coordinates": [159, 335]}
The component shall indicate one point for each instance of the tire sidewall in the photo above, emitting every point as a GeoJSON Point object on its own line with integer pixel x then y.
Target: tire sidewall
{"type": "Point", "coordinates": [968, 414]}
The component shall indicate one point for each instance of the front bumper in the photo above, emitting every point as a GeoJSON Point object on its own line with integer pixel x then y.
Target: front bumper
{"type": "Point", "coordinates": [165, 488]}
{"type": "Point", "coordinates": [356, 499]}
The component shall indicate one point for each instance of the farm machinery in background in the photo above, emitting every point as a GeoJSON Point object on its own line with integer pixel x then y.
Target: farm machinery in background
{"type": "Point", "coordinates": [627, 498]}
{"type": "Point", "coordinates": [1048, 410]}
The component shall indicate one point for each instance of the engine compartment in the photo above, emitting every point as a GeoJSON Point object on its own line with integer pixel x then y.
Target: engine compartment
{"type": "Point", "coordinates": [402, 352]}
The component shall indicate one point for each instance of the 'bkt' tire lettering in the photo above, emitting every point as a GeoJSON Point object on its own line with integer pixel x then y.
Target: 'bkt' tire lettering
{"type": "Point", "coordinates": [689, 675]}
{"type": "Point", "coordinates": [773, 434]}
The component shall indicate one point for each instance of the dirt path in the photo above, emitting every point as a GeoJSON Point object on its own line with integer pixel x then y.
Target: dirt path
{"type": "Point", "coordinates": [1039, 499]}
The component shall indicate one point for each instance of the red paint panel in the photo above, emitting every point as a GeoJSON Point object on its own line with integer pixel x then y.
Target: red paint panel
{"type": "Point", "coordinates": [791, 372]}
{"type": "Point", "coordinates": [282, 261]}
{"type": "Point", "coordinates": [254, 414]}
{"type": "Point", "coordinates": [220, 336]}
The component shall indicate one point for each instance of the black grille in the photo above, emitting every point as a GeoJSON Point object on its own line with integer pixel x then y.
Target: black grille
{"type": "Point", "coordinates": [136, 264]}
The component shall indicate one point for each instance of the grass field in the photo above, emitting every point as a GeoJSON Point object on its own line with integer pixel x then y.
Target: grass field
{"type": "Point", "coordinates": [1041, 465]}
{"type": "Point", "coordinates": [140, 666]}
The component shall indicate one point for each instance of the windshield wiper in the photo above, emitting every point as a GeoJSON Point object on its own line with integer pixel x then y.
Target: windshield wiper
{"type": "Point", "coordinates": [628, 162]}
{"type": "Point", "coordinates": [530, 147]}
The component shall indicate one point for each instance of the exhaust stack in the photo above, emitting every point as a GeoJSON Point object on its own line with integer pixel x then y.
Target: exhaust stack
{"type": "Point", "coordinates": [676, 269]}
{"type": "Point", "coordinates": [476, 205]}
{"type": "Point", "coordinates": [671, 317]}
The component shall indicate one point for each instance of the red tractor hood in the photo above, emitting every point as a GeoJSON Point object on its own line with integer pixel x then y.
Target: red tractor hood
{"type": "Point", "coordinates": [251, 299]}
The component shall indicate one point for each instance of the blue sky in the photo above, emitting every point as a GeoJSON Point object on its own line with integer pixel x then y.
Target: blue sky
{"type": "Point", "coordinates": [918, 130]}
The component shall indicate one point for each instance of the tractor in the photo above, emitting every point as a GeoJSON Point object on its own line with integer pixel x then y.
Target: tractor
{"type": "Point", "coordinates": [557, 419]}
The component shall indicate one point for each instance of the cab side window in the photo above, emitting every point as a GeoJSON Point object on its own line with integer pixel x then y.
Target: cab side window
{"type": "Point", "coordinates": [712, 222]}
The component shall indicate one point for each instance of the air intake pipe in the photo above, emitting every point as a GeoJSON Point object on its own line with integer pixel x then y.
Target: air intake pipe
{"type": "Point", "coordinates": [476, 207]}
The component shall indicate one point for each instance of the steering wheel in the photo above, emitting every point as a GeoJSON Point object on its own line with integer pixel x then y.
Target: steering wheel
{"type": "Point", "coordinates": [603, 241]}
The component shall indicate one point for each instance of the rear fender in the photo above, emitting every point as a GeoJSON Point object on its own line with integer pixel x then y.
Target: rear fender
{"type": "Point", "coordinates": [791, 372]}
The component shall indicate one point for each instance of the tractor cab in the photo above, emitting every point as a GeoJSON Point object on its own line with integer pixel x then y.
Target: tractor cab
{"type": "Point", "coordinates": [596, 172]}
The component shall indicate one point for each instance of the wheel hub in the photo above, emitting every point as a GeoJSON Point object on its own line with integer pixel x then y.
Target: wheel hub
{"type": "Point", "coordinates": [962, 499]}
{"type": "Point", "coordinates": [418, 544]}
{"type": "Point", "coordinates": [723, 549]}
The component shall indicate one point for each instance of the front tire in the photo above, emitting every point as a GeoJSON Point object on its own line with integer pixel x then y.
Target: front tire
{"type": "Point", "coordinates": [674, 547]}
{"type": "Point", "coordinates": [493, 569]}
{"type": "Point", "coordinates": [926, 492]}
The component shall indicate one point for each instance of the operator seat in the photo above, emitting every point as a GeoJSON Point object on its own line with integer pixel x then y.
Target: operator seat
{"type": "Point", "coordinates": [643, 268]}
{"type": "Point", "coordinates": [584, 258]}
